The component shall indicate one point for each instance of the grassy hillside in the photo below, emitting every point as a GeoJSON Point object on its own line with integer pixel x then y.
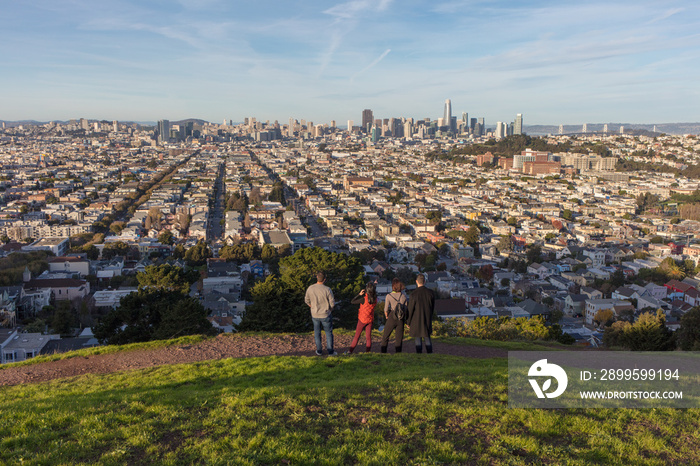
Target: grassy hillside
{"type": "Point", "coordinates": [366, 409]}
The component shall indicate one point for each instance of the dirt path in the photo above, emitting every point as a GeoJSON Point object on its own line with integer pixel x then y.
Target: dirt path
{"type": "Point", "coordinates": [221, 347]}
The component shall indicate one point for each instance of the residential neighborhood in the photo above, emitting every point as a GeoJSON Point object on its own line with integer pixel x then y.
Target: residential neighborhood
{"type": "Point", "coordinates": [586, 223]}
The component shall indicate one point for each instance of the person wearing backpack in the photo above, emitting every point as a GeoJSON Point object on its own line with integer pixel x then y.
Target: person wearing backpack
{"type": "Point", "coordinates": [367, 299]}
{"type": "Point", "coordinates": [395, 307]}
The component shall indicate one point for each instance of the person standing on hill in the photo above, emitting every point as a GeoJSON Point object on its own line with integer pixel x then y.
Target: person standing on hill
{"type": "Point", "coordinates": [367, 299]}
{"type": "Point", "coordinates": [320, 299]}
{"type": "Point", "coordinates": [421, 306]}
{"type": "Point", "coordinates": [395, 307]}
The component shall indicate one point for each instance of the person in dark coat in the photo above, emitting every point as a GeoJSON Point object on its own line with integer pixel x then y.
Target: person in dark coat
{"type": "Point", "coordinates": [421, 306]}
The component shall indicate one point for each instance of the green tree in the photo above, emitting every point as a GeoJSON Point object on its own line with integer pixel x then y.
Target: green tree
{"type": "Point", "coordinates": [434, 216]}
{"type": "Point", "coordinates": [648, 333]}
{"type": "Point", "coordinates": [92, 252]}
{"type": "Point", "coordinates": [279, 301]}
{"type": "Point", "coordinates": [232, 253]}
{"type": "Point", "coordinates": [617, 279]}
{"type": "Point", "coordinates": [198, 254]}
{"type": "Point", "coordinates": [63, 319]}
{"type": "Point", "coordinates": [36, 326]}
{"type": "Point", "coordinates": [556, 316]}
{"type": "Point", "coordinates": [672, 269]}
{"type": "Point", "coordinates": [153, 315]}
{"type": "Point", "coordinates": [166, 277]}
{"type": "Point", "coordinates": [533, 253]}
{"type": "Point", "coordinates": [567, 215]}
{"type": "Point", "coordinates": [179, 252]}
{"type": "Point", "coordinates": [116, 227]}
{"type": "Point", "coordinates": [505, 244]}
{"type": "Point", "coordinates": [112, 250]}
{"type": "Point", "coordinates": [166, 237]}
{"type": "Point", "coordinates": [268, 253]}
{"type": "Point", "coordinates": [472, 236]}
{"type": "Point", "coordinates": [688, 335]}
{"type": "Point", "coordinates": [276, 308]}
{"type": "Point", "coordinates": [277, 195]}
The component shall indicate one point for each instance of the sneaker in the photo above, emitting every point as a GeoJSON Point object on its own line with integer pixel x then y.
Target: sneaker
{"type": "Point", "coordinates": [332, 353]}
{"type": "Point", "coordinates": [319, 353]}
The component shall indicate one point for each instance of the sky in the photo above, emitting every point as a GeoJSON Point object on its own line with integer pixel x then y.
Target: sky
{"type": "Point", "coordinates": [556, 62]}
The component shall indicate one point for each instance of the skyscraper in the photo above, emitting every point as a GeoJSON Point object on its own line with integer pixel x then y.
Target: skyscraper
{"type": "Point", "coordinates": [163, 131]}
{"type": "Point", "coordinates": [350, 123]}
{"type": "Point", "coordinates": [448, 113]}
{"type": "Point", "coordinates": [518, 124]}
{"type": "Point", "coordinates": [407, 129]}
{"type": "Point", "coordinates": [376, 133]}
{"type": "Point", "coordinates": [500, 130]}
{"type": "Point", "coordinates": [367, 118]}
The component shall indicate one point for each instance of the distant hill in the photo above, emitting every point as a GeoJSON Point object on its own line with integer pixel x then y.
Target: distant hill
{"type": "Point", "coordinates": [614, 128]}
{"type": "Point", "coordinates": [12, 124]}
{"type": "Point", "coordinates": [189, 120]}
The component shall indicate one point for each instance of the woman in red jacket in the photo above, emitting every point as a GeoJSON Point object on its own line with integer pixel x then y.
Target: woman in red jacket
{"type": "Point", "coordinates": [367, 299]}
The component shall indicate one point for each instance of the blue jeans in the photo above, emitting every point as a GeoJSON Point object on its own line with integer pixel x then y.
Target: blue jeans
{"type": "Point", "coordinates": [327, 324]}
{"type": "Point", "coordinates": [428, 345]}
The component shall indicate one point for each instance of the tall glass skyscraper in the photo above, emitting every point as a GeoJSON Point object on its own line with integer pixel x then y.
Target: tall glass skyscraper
{"type": "Point", "coordinates": [163, 131]}
{"type": "Point", "coordinates": [448, 112]}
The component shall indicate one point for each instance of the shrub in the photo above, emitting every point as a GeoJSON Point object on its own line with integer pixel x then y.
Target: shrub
{"type": "Point", "coordinates": [503, 328]}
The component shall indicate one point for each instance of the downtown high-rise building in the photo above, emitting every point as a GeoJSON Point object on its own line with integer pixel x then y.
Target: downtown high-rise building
{"type": "Point", "coordinates": [447, 117]}
{"type": "Point", "coordinates": [367, 119]}
{"type": "Point", "coordinates": [518, 124]}
{"type": "Point", "coordinates": [500, 130]}
{"type": "Point", "coordinates": [163, 131]}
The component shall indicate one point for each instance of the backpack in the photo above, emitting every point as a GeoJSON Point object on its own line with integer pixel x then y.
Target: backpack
{"type": "Point", "coordinates": [400, 311]}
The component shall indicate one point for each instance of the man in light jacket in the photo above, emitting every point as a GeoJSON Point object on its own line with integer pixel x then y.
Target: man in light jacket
{"type": "Point", "coordinates": [320, 299]}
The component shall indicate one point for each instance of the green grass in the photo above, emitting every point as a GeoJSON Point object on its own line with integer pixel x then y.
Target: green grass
{"type": "Point", "coordinates": [187, 340]}
{"type": "Point", "coordinates": [505, 345]}
{"type": "Point", "coordinates": [363, 409]}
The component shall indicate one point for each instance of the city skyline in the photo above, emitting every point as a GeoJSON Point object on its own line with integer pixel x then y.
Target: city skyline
{"type": "Point", "coordinates": [556, 63]}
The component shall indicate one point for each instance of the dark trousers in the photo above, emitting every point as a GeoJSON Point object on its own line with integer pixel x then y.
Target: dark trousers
{"type": "Point", "coordinates": [392, 323]}
{"type": "Point", "coordinates": [428, 345]}
{"type": "Point", "coordinates": [358, 331]}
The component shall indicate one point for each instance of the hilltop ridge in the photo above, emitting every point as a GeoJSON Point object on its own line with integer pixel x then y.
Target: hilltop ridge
{"type": "Point", "coordinates": [221, 347]}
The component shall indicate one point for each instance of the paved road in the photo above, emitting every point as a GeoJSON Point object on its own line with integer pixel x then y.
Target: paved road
{"type": "Point", "coordinates": [216, 231]}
